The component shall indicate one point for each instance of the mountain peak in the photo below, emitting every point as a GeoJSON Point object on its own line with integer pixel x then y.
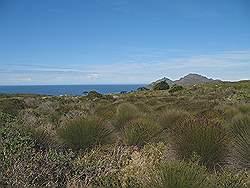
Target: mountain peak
{"type": "Point", "coordinates": [190, 79]}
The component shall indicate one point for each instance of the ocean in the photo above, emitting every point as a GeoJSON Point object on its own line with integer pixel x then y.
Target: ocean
{"type": "Point", "coordinates": [57, 90]}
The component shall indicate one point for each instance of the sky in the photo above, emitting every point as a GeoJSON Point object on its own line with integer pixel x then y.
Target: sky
{"type": "Point", "coordinates": [122, 41]}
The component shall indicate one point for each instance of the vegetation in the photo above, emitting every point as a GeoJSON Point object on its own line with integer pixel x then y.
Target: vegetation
{"type": "Point", "coordinates": [125, 112]}
{"type": "Point", "coordinates": [161, 86]}
{"type": "Point", "coordinates": [179, 174]}
{"type": "Point", "coordinates": [140, 131]}
{"type": "Point", "coordinates": [198, 137]}
{"type": "Point", "coordinates": [170, 119]}
{"type": "Point", "coordinates": [84, 133]}
{"type": "Point", "coordinates": [175, 88]}
{"type": "Point", "coordinates": [204, 138]}
{"type": "Point", "coordinates": [241, 140]}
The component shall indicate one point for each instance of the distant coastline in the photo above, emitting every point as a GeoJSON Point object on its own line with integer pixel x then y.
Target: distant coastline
{"type": "Point", "coordinates": [57, 90]}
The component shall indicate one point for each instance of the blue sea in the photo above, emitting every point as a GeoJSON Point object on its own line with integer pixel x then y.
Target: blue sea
{"type": "Point", "coordinates": [57, 90]}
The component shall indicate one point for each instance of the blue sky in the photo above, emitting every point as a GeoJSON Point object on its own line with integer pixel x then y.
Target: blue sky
{"type": "Point", "coordinates": [122, 41]}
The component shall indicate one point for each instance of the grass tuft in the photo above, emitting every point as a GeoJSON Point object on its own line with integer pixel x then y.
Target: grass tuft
{"type": "Point", "coordinates": [125, 113]}
{"type": "Point", "coordinates": [241, 140]}
{"type": "Point", "coordinates": [84, 133]}
{"type": "Point", "coordinates": [179, 175]}
{"type": "Point", "coordinates": [140, 131]}
{"type": "Point", "coordinates": [205, 138]}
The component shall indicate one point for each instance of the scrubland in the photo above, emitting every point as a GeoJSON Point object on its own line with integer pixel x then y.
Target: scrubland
{"type": "Point", "coordinates": [195, 137]}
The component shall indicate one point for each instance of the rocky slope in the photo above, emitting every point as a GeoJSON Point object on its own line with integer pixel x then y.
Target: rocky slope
{"type": "Point", "coordinates": [190, 79]}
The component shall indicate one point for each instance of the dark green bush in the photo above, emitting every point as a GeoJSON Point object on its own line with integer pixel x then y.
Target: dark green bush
{"type": "Point", "coordinates": [140, 131]}
{"type": "Point", "coordinates": [94, 94]}
{"type": "Point", "coordinates": [84, 133]}
{"type": "Point", "coordinates": [11, 106]}
{"type": "Point", "coordinates": [161, 86]}
{"type": "Point", "coordinates": [204, 137]}
{"type": "Point", "coordinates": [175, 88]}
{"type": "Point", "coordinates": [142, 89]}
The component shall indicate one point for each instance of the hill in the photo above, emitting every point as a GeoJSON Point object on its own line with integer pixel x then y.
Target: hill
{"type": "Point", "coordinates": [190, 79]}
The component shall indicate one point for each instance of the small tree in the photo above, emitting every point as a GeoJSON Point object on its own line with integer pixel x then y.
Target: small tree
{"type": "Point", "coordinates": [163, 85]}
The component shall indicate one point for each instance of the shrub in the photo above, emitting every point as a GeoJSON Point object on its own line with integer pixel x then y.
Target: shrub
{"type": "Point", "coordinates": [24, 166]}
{"type": "Point", "coordinates": [205, 138]}
{"type": "Point", "coordinates": [5, 118]}
{"type": "Point", "coordinates": [43, 138]}
{"type": "Point", "coordinates": [244, 108]}
{"type": "Point", "coordinates": [142, 89]}
{"type": "Point", "coordinates": [11, 106]}
{"type": "Point", "coordinates": [125, 112]}
{"type": "Point", "coordinates": [241, 142]}
{"type": "Point", "coordinates": [228, 179]}
{"type": "Point", "coordinates": [140, 131]}
{"type": "Point", "coordinates": [94, 94]}
{"type": "Point", "coordinates": [104, 111]}
{"type": "Point", "coordinates": [179, 175]}
{"type": "Point", "coordinates": [175, 88]}
{"type": "Point", "coordinates": [161, 86]}
{"type": "Point", "coordinates": [141, 164]}
{"type": "Point", "coordinates": [229, 111]}
{"type": "Point", "coordinates": [84, 133]}
{"type": "Point", "coordinates": [100, 167]}
{"type": "Point", "coordinates": [171, 118]}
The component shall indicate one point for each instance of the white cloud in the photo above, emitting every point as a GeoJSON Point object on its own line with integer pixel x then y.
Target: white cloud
{"type": "Point", "coordinates": [143, 68]}
{"type": "Point", "coordinates": [93, 76]}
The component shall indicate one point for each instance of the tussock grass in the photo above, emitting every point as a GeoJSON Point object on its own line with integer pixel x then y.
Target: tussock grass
{"type": "Point", "coordinates": [140, 131]}
{"type": "Point", "coordinates": [241, 140]}
{"type": "Point", "coordinates": [84, 133]}
{"type": "Point", "coordinates": [179, 175]}
{"type": "Point", "coordinates": [125, 112]}
{"type": "Point", "coordinates": [244, 108]}
{"type": "Point", "coordinates": [205, 138]}
{"type": "Point", "coordinates": [171, 118]}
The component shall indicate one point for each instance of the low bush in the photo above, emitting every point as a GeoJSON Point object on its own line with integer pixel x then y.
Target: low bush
{"type": "Point", "coordinates": [175, 88]}
{"type": "Point", "coordinates": [141, 164]}
{"type": "Point", "coordinates": [205, 138]}
{"type": "Point", "coordinates": [24, 166]}
{"type": "Point", "coordinates": [161, 86]}
{"type": "Point", "coordinates": [228, 179]}
{"type": "Point", "coordinates": [171, 118]}
{"type": "Point", "coordinates": [142, 89]}
{"type": "Point", "coordinates": [104, 111]}
{"type": "Point", "coordinates": [140, 131]}
{"type": "Point", "coordinates": [94, 94]}
{"type": "Point", "coordinates": [244, 108]}
{"type": "Point", "coordinates": [100, 167]}
{"type": "Point", "coordinates": [125, 112]}
{"type": "Point", "coordinates": [42, 137]}
{"type": "Point", "coordinates": [241, 141]}
{"type": "Point", "coordinates": [11, 106]}
{"type": "Point", "coordinates": [5, 118]}
{"type": "Point", "coordinates": [179, 175]}
{"type": "Point", "coordinates": [84, 133]}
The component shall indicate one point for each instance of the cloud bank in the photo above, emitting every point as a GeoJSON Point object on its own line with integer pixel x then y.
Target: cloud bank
{"type": "Point", "coordinates": [137, 68]}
